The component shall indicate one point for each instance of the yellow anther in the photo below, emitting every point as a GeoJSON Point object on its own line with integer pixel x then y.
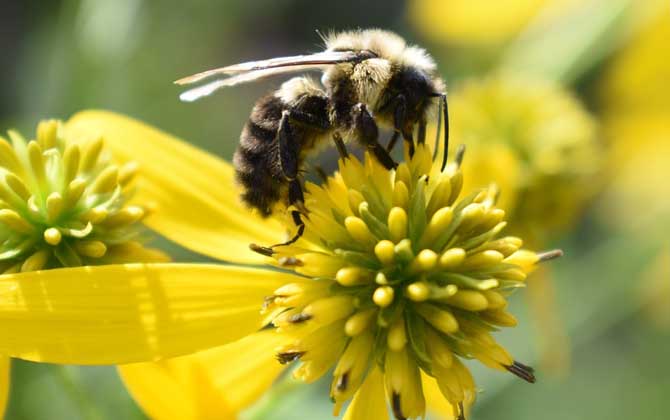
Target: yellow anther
{"type": "Point", "coordinates": [359, 322]}
{"type": "Point", "coordinates": [106, 180]}
{"type": "Point", "coordinates": [14, 221]}
{"type": "Point", "coordinates": [470, 300]}
{"type": "Point", "coordinates": [36, 162]}
{"type": "Point", "coordinates": [93, 249]}
{"type": "Point", "coordinates": [400, 195]}
{"type": "Point", "coordinates": [403, 251]}
{"type": "Point", "coordinates": [438, 224]}
{"type": "Point", "coordinates": [418, 291]}
{"type": "Point", "coordinates": [125, 216]}
{"type": "Point", "coordinates": [71, 158]}
{"type": "Point", "coordinates": [471, 215]}
{"type": "Point", "coordinates": [46, 133]}
{"type": "Point", "coordinates": [440, 197]}
{"type": "Point", "coordinates": [482, 259]}
{"type": "Point", "coordinates": [500, 317]}
{"type": "Point", "coordinates": [440, 318]}
{"type": "Point", "coordinates": [524, 259]}
{"type": "Point", "coordinates": [424, 262]}
{"type": "Point", "coordinates": [73, 192]}
{"type": "Point", "coordinates": [495, 299]}
{"type": "Point", "coordinates": [352, 276]}
{"type": "Point", "coordinates": [359, 230]}
{"type": "Point", "coordinates": [37, 261]}
{"type": "Point", "coordinates": [487, 284]}
{"type": "Point", "coordinates": [128, 172]}
{"type": "Point", "coordinates": [397, 223]}
{"type": "Point", "coordinates": [452, 258]}
{"type": "Point", "coordinates": [95, 215]}
{"type": "Point", "coordinates": [383, 296]}
{"type": "Point", "coordinates": [330, 309]}
{"type": "Point", "coordinates": [384, 250]}
{"type": "Point", "coordinates": [381, 279]}
{"type": "Point", "coordinates": [15, 183]}
{"type": "Point", "coordinates": [52, 236]}
{"type": "Point", "coordinates": [54, 204]}
{"type": "Point", "coordinates": [397, 337]}
{"type": "Point", "coordinates": [90, 154]}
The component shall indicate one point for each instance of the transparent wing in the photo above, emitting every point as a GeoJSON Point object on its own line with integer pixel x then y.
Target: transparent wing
{"type": "Point", "coordinates": [298, 62]}
{"type": "Point", "coordinates": [250, 76]}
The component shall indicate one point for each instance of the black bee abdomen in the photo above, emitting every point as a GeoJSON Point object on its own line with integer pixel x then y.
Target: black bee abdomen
{"type": "Point", "coordinates": [257, 155]}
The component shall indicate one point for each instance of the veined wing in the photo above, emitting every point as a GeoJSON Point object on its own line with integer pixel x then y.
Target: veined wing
{"type": "Point", "coordinates": [250, 76]}
{"type": "Point", "coordinates": [300, 61]}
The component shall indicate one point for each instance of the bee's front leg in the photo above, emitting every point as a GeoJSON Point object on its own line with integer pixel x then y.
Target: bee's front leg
{"type": "Point", "coordinates": [368, 133]}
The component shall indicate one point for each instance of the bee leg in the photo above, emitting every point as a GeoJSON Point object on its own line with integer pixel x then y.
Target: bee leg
{"type": "Point", "coordinates": [295, 197]}
{"type": "Point", "coordinates": [393, 141]}
{"type": "Point", "coordinates": [288, 160]}
{"type": "Point", "coordinates": [369, 135]}
{"type": "Point", "coordinates": [421, 135]}
{"type": "Point", "coordinates": [341, 148]}
{"type": "Point", "coordinates": [399, 105]}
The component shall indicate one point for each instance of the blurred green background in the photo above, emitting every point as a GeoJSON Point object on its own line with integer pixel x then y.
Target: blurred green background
{"type": "Point", "coordinates": [599, 335]}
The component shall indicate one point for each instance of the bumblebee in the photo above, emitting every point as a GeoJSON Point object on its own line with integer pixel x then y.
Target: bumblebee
{"type": "Point", "coordinates": [370, 79]}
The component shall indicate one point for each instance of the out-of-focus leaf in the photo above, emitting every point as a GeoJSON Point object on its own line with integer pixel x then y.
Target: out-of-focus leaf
{"type": "Point", "coordinates": [564, 49]}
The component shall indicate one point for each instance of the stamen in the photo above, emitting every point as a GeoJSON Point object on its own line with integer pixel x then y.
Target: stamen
{"type": "Point", "coordinates": [522, 371]}
{"type": "Point", "coordinates": [549, 255]}
{"type": "Point", "coordinates": [263, 250]}
{"type": "Point", "coordinates": [290, 356]}
{"type": "Point", "coordinates": [299, 318]}
{"type": "Point", "coordinates": [383, 296]}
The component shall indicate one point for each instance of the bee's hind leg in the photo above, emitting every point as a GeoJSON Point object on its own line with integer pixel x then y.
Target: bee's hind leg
{"type": "Point", "coordinates": [288, 159]}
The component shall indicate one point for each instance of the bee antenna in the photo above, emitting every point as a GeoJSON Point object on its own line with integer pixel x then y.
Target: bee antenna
{"type": "Point", "coordinates": [445, 115]}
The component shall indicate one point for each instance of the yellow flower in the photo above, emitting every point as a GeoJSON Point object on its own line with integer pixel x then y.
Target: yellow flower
{"type": "Point", "coordinates": [536, 141]}
{"type": "Point", "coordinates": [397, 279]}
{"type": "Point", "coordinates": [634, 93]}
{"type": "Point", "coordinates": [479, 22]}
{"type": "Point", "coordinates": [63, 204]}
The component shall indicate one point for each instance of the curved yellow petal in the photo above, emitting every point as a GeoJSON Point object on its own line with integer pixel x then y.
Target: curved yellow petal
{"type": "Point", "coordinates": [194, 194]}
{"type": "Point", "coordinates": [5, 365]}
{"type": "Point", "coordinates": [369, 401]}
{"type": "Point", "coordinates": [235, 376]}
{"type": "Point", "coordinates": [174, 389]}
{"type": "Point", "coordinates": [436, 404]}
{"type": "Point", "coordinates": [245, 369]}
{"type": "Point", "coordinates": [130, 313]}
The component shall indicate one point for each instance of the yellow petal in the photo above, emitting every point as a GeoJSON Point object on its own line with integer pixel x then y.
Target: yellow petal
{"type": "Point", "coordinates": [369, 401]}
{"type": "Point", "coordinates": [4, 383]}
{"type": "Point", "coordinates": [130, 313]}
{"type": "Point", "coordinates": [436, 404]}
{"type": "Point", "coordinates": [194, 194]}
{"type": "Point", "coordinates": [174, 389]}
{"type": "Point", "coordinates": [234, 376]}
{"type": "Point", "coordinates": [245, 369]}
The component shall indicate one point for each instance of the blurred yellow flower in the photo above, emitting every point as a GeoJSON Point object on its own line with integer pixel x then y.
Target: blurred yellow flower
{"type": "Point", "coordinates": [634, 94]}
{"type": "Point", "coordinates": [479, 22]}
{"type": "Point", "coordinates": [396, 275]}
{"type": "Point", "coordinates": [536, 141]}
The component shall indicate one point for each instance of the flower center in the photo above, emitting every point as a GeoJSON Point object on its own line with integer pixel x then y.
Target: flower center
{"type": "Point", "coordinates": [402, 273]}
{"type": "Point", "coordinates": [63, 204]}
